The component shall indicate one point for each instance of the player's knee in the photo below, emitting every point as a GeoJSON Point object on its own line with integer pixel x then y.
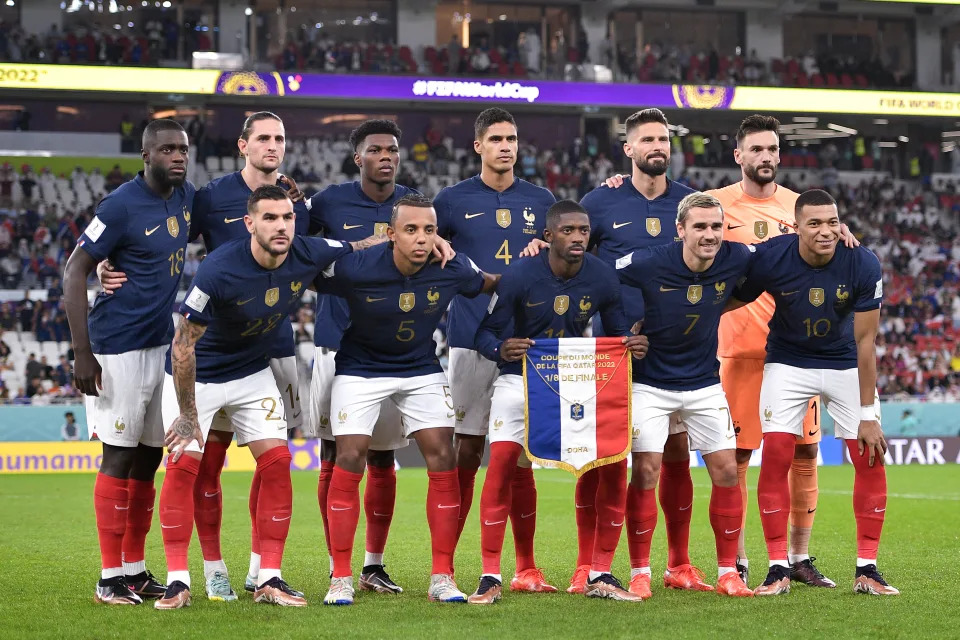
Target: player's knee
{"type": "Point", "coordinates": [146, 461]}
{"type": "Point", "coordinates": [805, 451]}
{"type": "Point", "coordinates": [646, 471]}
{"type": "Point", "coordinates": [328, 451]}
{"type": "Point", "coordinates": [117, 461]}
{"type": "Point", "coordinates": [469, 451]}
{"type": "Point", "coordinates": [351, 457]}
{"type": "Point", "coordinates": [381, 459]}
{"type": "Point", "coordinates": [722, 466]}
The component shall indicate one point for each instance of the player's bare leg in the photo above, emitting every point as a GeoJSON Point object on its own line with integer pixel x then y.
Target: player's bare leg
{"type": "Point", "coordinates": [208, 515]}
{"type": "Point", "coordinates": [726, 519]}
{"type": "Point", "coordinates": [379, 500]}
{"type": "Point", "coordinates": [803, 507]}
{"type": "Point", "coordinates": [141, 501]}
{"type": "Point", "coordinates": [743, 464]}
{"type": "Point", "coordinates": [642, 519]}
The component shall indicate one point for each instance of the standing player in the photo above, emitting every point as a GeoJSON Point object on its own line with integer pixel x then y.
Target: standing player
{"type": "Point", "coordinates": [490, 217]}
{"type": "Point", "coordinates": [822, 342]}
{"type": "Point", "coordinates": [219, 361]}
{"type": "Point", "coordinates": [575, 287]}
{"type": "Point", "coordinates": [353, 211]}
{"type": "Point", "coordinates": [218, 214]}
{"type": "Point", "coordinates": [142, 227]}
{"type": "Point", "coordinates": [685, 288]}
{"type": "Point", "coordinates": [396, 300]}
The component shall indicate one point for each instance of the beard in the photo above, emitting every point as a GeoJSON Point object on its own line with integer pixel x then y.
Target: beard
{"type": "Point", "coordinates": [165, 180]}
{"type": "Point", "coordinates": [754, 174]}
{"type": "Point", "coordinates": [652, 167]}
{"type": "Point", "coordinates": [265, 245]}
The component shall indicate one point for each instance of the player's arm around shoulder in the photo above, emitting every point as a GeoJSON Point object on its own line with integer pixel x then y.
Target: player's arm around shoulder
{"type": "Point", "coordinates": [490, 342]}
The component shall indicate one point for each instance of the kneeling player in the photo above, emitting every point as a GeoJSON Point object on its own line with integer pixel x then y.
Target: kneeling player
{"type": "Point", "coordinates": [219, 361]}
{"type": "Point", "coordinates": [685, 288]}
{"type": "Point", "coordinates": [822, 341]}
{"type": "Point", "coordinates": [396, 300]}
{"type": "Point", "coordinates": [536, 296]}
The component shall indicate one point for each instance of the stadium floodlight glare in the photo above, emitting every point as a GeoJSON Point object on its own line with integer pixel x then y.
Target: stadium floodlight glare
{"type": "Point", "coordinates": [248, 11]}
{"type": "Point", "coordinates": [842, 129]}
{"type": "Point", "coordinates": [881, 121]}
{"type": "Point", "coordinates": [903, 139]}
{"type": "Point", "coordinates": [805, 119]}
{"type": "Point", "coordinates": [887, 145]}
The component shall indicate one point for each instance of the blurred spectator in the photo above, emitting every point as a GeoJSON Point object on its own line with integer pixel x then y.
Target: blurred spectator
{"type": "Point", "coordinates": [33, 367]}
{"type": "Point", "coordinates": [70, 431]}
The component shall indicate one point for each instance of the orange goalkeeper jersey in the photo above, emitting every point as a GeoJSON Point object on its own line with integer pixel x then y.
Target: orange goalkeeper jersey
{"type": "Point", "coordinates": [743, 333]}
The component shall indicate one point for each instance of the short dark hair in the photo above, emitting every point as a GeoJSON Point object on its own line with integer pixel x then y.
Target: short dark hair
{"type": "Point", "coordinates": [561, 207]}
{"type": "Point", "coordinates": [490, 117]}
{"type": "Point", "coordinates": [409, 200]}
{"type": "Point", "coordinates": [257, 117]}
{"type": "Point", "coordinates": [68, 414]}
{"type": "Point", "coordinates": [373, 127]}
{"type": "Point", "coordinates": [813, 198]}
{"type": "Point", "coordinates": [156, 126]}
{"type": "Point", "coordinates": [643, 117]}
{"type": "Point", "coordinates": [266, 192]}
{"type": "Point", "coordinates": [755, 124]}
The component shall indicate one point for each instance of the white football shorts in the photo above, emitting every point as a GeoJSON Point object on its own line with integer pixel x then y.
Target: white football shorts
{"type": "Point", "coordinates": [423, 401]}
{"type": "Point", "coordinates": [471, 383]}
{"type": "Point", "coordinates": [127, 412]}
{"type": "Point", "coordinates": [288, 382]}
{"type": "Point", "coordinates": [703, 412]}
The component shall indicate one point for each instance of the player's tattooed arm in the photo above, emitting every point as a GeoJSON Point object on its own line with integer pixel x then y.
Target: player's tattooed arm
{"type": "Point", "coordinates": [866, 324]}
{"type": "Point", "coordinates": [370, 241]}
{"type": "Point", "coordinates": [183, 363]}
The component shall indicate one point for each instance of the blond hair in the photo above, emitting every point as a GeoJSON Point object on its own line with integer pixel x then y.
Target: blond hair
{"type": "Point", "coordinates": [696, 200]}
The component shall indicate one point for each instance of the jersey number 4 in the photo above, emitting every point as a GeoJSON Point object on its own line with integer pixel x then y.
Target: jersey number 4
{"type": "Point", "coordinates": [503, 253]}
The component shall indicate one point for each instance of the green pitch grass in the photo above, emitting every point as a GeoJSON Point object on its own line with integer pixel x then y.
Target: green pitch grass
{"type": "Point", "coordinates": [50, 564]}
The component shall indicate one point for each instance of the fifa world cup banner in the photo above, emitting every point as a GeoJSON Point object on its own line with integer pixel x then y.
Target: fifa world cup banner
{"type": "Point", "coordinates": [577, 412]}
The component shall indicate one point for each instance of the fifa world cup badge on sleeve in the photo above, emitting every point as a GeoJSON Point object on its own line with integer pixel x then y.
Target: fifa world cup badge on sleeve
{"type": "Point", "coordinates": [577, 394]}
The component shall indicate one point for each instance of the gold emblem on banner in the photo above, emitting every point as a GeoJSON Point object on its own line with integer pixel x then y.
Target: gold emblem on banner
{"type": "Point", "coordinates": [561, 304]}
{"type": "Point", "coordinates": [272, 296]}
{"type": "Point", "coordinates": [760, 229]}
{"type": "Point", "coordinates": [173, 226]}
{"type": "Point", "coordinates": [653, 226]}
{"type": "Point", "coordinates": [816, 296]}
{"type": "Point", "coordinates": [695, 293]}
{"type": "Point", "coordinates": [503, 217]}
{"type": "Point", "coordinates": [407, 301]}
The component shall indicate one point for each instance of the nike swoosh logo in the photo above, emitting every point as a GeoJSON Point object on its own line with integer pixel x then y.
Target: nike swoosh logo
{"type": "Point", "coordinates": [449, 506]}
{"type": "Point", "coordinates": [686, 508]}
{"type": "Point", "coordinates": [211, 495]}
{"type": "Point", "coordinates": [150, 509]}
{"type": "Point", "coordinates": [147, 232]}
{"type": "Point", "coordinates": [243, 302]}
{"type": "Point", "coordinates": [450, 415]}
{"type": "Point", "coordinates": [811, 510]}
{"type": "Point", "coordinates": [229, 220]}
{"type": "Point", "coordinates": [769, 512]}
{"type": "Point", "coordinates": [664, 289]}
{"type": "Point", "coordinates": [347, 227]}
{"type": "Point", "coordinates": [617, 225]}
{"type": "Point", "coordinates": [876, 510]}
{"type": "Point", "coordinates": [524, 516]}
{"type": "Point", "coordinates": [490, 524]}
{"type": "Point", "coordinates": [276, 519]}
{"type": "Point", "coordinates": [584, 506]}
{"type": "Point", "coordinates": [789, 293]}
{"type": "Point", "coordinates": [467, 216]}
{"type": "Point", "coordinates": [369, 299]}
{"type": "Point", "coordinates": [535, 304]}
{"type": "Point", "coordinates": [640, 533]}
{"type": "Point", "coordinates": [119, 508]}
{"type": "Point", "coordinates": [343, 509]}
{"type": "Point", "coordinates": [382, 515]}
{"type": "Point", "coordinates": [812, 433]}
{"type": "Point", "coordinates": [730, 226]}
{"type": "Point", "coordinates": [616, 524]}
{"type": "Point", "coordinates": [169, 526]}
{"type": "Point", "coordinates": [728, 532]}
{"type": "Point", "coordinates": [297, 415]}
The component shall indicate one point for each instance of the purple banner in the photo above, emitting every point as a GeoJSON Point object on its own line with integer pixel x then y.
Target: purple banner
{"type": "Point", "coordinates": [521, 91]}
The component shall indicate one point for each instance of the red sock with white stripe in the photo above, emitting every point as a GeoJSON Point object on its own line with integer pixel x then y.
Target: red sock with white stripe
{"type": "Point", "coordinates": [523, 517]}
{"type": "Point", "coordinates": [585, 497]}
{"type": "Point", "coordinates": [141, 496]}
{"type": "Point", "coordinates": [274, 509]}
{"type": "Point", "coordinates": [726, 517]}
{"type": "Point", "coordinates": [641, 522]}
{"type": "Point", "coordinates": [379, 499]}
{"type": "Point", "coordinates": [773, 493]}
{"type": "Point", "coordinates": [176, 515]}
{"type": "Point", "coordinates": [676, 500]}
{"type": "Point", "coordinates": [110, 503]}
{"type": "Point", "coordinates": [443, 514]}
{"type": "Point", "coordinates": [611, 506]}
{"type": "Point", "coordinates": [869, 502]}
{"type": "Point", "coordinates": [208, 499]}
{"type": "Point", "coordinates": [343, 514]}
{"type": "Point", "coordinates": [495, 502]}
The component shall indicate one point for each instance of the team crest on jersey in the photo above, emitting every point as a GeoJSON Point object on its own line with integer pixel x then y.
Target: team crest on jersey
{"type": "Point", "coordinates": [529, 220]}
{"type": "Point", "coordinates": [784, 228]}
{"type": "Point", "coordinates": [324, 420]}
{"type": "Point", "coordinates": [460, 414]}
{"type": "Point", "coordinates": [561, 304]}
{"type": "Point", "coordinates": [760, 229]}
{"type": "Point", "coordinates": [503, 218]}
{"type": "Point", "coordinates": [173, 226]}
{"type": "Point", "coordinates": [407, 301]}
{"type": "Point", "coordinates": [295, 287]}
{"type": "Point", "coordinates": [380, 228]}
{"type": "Point", "coordinates": [767, 414]}
{"type": "Point", "coordinates": [342, 417]}
{"type": "Point", "coordinates": [816, 296]}
{"type": "Point", "coordinates": [186, 214]}
{"type": "Point", "coordinates": [119, 425]}
{"type": "Point", "coordinates": [585, 304]}
{"type": "Point", "coordinates": [695, 293]}
{"type": "Point", "coordinates": [842, 295]}
{"type": "Point", "coordinates": [720, 288]}
{"type": "Point", "coordinates": [497, 423]}
{"type": "Point", "coordinates": [653, 226]}
{"type": "Point", "coordinates": [272, 296]}
{"type": "Point", "coordinates": [433, 300]}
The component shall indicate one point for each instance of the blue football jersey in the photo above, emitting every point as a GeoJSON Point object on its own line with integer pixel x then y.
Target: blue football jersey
{"type": "Point", "coordinates": [344, 212]}
{"type": "Point", "coordinates": [492, 228]}
{"type": "Point", "coordinates": [623, 220]}
{"type": "Point", "coordinates": [219, 209]}
{"type": "Point", "coordinates": [243, 304]}
{"type": "Point", "coordinates": [812, 326]}
{"type": "Point", "coordinates": [538, 304]}
{"type": "Point", "coordinates": [144, 236]}
{"type": "Point", "coordinates": [393, 316]}
{"type": "Point", "coordinates": [683, 310]}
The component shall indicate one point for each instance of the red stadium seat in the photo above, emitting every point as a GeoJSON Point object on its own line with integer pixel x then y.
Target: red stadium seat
{"type": "Point", "coordinates": [817, 80]}
{"type": "Point", "coordinates": [846, 80]}
{"type": "Point", "coordinates": [832, 80]}
{"type": "Point", "coordinates": [802, 80]}
{"type": "Point", "coordinates": [861, 80]}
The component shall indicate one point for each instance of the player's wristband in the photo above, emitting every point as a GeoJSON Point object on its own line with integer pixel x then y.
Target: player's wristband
{"type": "Point", "coordinates": [868, 413]}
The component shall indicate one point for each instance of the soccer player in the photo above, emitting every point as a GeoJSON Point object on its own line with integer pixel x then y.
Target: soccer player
{"type": "Point", "coordinates": [219, 361]}
{"type": "Point", "coordinates": [396, 299]}
{"type": "Point", "coordinates": [552, 295]}
{"type": "Point", "coordinates": [142, 227]}
{"type": "Point", "coordinates": [218, 213]}
{"type": "Point", "coordinates": [490, 217]}
{"type": "Point", "coordinates": [353, 211]}
{"type": "Point", "coordinates": [685, 287]}
{"type": "Point", "coordinates": [822, 342]}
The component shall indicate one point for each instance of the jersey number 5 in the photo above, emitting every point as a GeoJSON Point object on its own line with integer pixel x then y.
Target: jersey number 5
{"type": "Point", "coordinates": [404, 332]}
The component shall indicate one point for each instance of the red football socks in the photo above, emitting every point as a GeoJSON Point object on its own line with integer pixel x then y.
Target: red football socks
{"type": "Point", "coordinates": [252, 507]}
{"type": "Point", "coordinates": [110, 503]}
{"type": "Point", "coordinates": [676, 500]}
{"type": "Point", "coordinates": [585, 497]}
{"type": "Point", "coordinates": [726, 518]}
{"type": "Point", "coordinates": [176, 510]}
{"type": "Point", "coordinates": [869, 500]}
{"type": "Point", "coordinates": [466, 478]}
{"type": "Point", "coordinates": [274, 506]}
{"type": "Point", "coordinates": [641, 521]}
{"type": "Point", "coordinates": [495, 502]}
{"type": "Point", "coordinates": [611, 505]}
{"type": "Point", "coordinates": [523, 517]}
{"type": "Point", "coordinates": [343, 514]}
{"type": "Point", "coordinates": [208, 499]}
{"type": "Point", "coordinates": [443, 514]}
{"type": "Point", "coordinates": [379, 499]}
{"type": "Point", "coordinates": [141, 495]}
{"type": "Point", "coordinates": [323, 489]}
{"type": "Point", "coordinates": [773, 491]}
